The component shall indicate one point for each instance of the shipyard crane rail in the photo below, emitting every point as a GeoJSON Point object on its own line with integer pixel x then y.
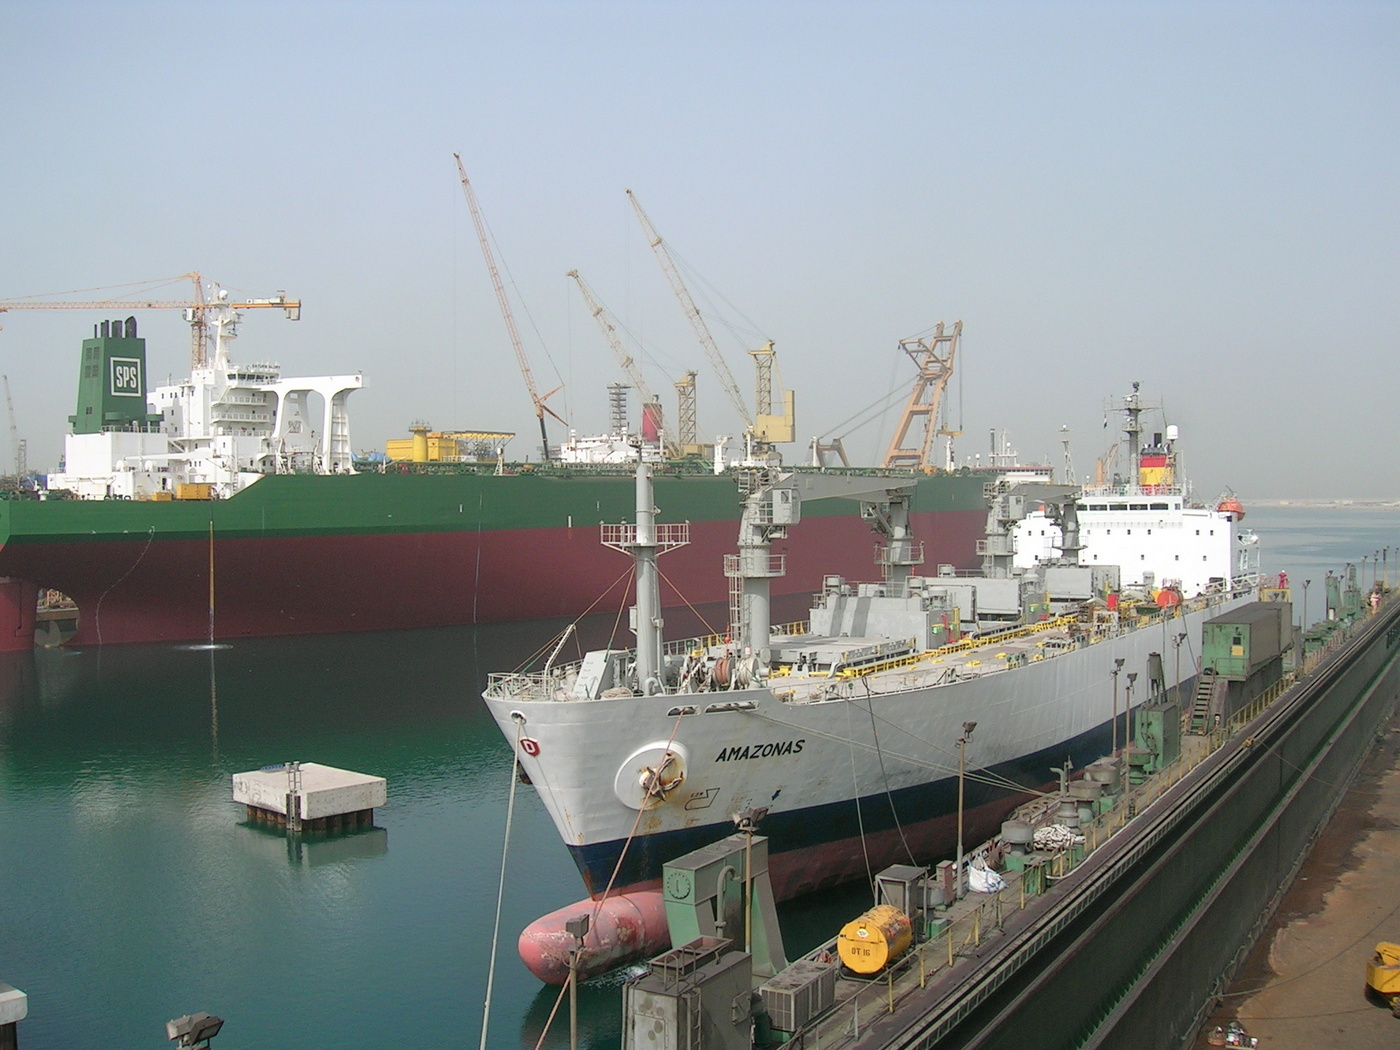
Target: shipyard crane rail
{"type": "Point", "coordinates": [196, 309]}
{"type": "Point", "coordinates": [600, 315]}
{"type": "Point", "coordinates": [692, 313]}
{"type": "Point", "coordinates": [524, 362]}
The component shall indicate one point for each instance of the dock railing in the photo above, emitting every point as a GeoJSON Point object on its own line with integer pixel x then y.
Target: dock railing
{"type": "Point", "coordinates": [958, 932]}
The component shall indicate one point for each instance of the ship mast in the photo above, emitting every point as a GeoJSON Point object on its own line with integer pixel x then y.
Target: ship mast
{"type": "Point", "coordinates": [646, 541]}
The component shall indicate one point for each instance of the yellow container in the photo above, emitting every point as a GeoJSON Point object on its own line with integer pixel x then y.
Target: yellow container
{"type": "Point", "coordinates": [879, 937]}
{"type": "Point", "coordinates": [162, 497]}
{"type": "Point", "coordinates": [193, 490]}
{"type": "Point", "coordinates": [1383, 970]}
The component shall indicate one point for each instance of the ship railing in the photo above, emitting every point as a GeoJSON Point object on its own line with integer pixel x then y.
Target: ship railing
{"type": "Point", "coordinates": [533, 685]}
{"type": "Point", "coordinates": [1133, 490]}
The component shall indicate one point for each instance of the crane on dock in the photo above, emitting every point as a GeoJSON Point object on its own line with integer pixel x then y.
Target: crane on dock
{"type": "Point", "coordinates": [652, 418]}
{"type": "Point", "coordinates": [764, 426]}
{"type": "Point", "coordinates": [196, 308]}
{"type": "Point", "coordinates": [521, 360]}
{"type": "Point", "coordinates": [933, 357]}
{"type": "Point", "coordinates": [692, 312]}
{"type": "Point", "coordinates": [18, 446]}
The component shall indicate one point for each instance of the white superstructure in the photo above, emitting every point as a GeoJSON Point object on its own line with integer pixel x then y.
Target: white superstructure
{"type": "Point", "coordinates": [225, 426]}
{"type": "Point", "coordinates": [1147, 523]}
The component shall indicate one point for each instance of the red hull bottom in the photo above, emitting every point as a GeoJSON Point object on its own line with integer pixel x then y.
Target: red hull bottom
{"type": "Point", "coordinates": [155, 590]}
{"type": "Point", "coordinates": [18, 602]}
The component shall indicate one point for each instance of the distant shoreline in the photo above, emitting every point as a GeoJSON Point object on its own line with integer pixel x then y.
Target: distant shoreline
{"type": "Point", "coordinates": [1322, 504]}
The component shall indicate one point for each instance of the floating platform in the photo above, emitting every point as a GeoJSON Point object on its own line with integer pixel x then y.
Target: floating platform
{"type": "Point", "coordinates": [307, 796]}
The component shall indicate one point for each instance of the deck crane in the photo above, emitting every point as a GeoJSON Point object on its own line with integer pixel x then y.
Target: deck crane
{"type": "Point", "coordinates": [539, 402]}
{"type": "Point", "coordinates": [934, 359]}
{"type": "Point", "coordinates": [196, 310]}
{"type": "Point", "coordinates": [652, 418]}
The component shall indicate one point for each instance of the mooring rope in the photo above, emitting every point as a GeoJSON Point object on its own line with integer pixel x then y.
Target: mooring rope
{"type": "Point", "coordinates": [885, 776]}
{"type": "Point", "coordinates": [501, 889]}
{"type": "Point", "coordinates": [97, 610]}
{"type": "Point", "coordinates": [598, 905]}
{"type": "Point", "coordinates": [855, 790]}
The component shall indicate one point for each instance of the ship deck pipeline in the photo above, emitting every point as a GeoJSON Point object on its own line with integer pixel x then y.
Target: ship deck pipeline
{"type": "Point", "coordinates": [1127, 938]}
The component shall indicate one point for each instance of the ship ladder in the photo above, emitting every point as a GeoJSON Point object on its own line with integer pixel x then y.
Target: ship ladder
{"type": "Point", "coordinates": [694, 1018]}
{"type": "Point", "coordinates": [1200, 710]}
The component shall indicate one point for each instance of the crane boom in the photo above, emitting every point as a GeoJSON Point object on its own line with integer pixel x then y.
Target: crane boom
{"type": "Point", "coordinates": [196, 308]}
{"type": "Point", "coordinates": [524, 362]}
{"type": "Point", "coordinates": [14, 433]}
{"type": "Point", "coordinates": [702, 331]}
{"type": "Point", "coordinates": [600, 315]}
{"type": "Point", "coordinates": [652, 416]}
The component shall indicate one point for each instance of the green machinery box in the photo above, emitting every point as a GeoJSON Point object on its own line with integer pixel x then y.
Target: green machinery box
{"type": "Point", "coordinates": [1238, 643]}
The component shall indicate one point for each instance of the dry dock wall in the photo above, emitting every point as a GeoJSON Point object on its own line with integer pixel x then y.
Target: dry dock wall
{"type": "Point", "coordinates": [1132, 948]}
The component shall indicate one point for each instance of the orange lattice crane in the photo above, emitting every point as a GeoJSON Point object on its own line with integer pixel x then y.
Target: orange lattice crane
{"type": "Point", "coordinates": [934, 359]}
{"type": "Point", "coordinates": [196, 309]}
{"type": "Point", "coordinates": [524, 362]}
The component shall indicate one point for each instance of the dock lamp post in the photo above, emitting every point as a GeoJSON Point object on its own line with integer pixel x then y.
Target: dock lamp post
{"type": "Point", "coordinates": [1177, 639]}
{"type": "Point", "coordinates": [1117, 666]}
{"type": "Point", "coordinates": [193, 1029]}
{"type": "Point", "coordinates": [1128, 711]}
{"type": "Point", "coordinates": [577, 928]}
{"type": "Point", "coordinates": [968, 727]}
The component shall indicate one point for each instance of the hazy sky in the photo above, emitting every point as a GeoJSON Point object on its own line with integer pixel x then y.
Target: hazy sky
{"type": "Point", "coordinates": [1202, 197]}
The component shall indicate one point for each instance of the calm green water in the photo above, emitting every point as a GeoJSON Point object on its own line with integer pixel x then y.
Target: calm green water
{"type": "Point", "coordinates": [132, 891]}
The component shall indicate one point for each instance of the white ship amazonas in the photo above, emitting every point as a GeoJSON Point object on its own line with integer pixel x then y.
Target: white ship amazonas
{"type": "Point", "coordinates": [839, 738]}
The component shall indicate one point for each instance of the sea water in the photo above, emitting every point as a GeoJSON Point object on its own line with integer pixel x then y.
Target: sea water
{"type": "Point", "coordinates": [133, 890]}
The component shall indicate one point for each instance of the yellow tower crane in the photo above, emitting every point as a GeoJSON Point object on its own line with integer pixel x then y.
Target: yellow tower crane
{"type": "Point", "coordinates": [196, 309]}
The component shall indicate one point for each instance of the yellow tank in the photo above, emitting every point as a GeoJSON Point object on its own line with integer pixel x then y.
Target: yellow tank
{"type": "Point", "coordinates": [879, 937]}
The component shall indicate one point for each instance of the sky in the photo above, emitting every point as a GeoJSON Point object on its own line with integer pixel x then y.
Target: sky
{"type": "Point", "coordinates": [1201, 197]}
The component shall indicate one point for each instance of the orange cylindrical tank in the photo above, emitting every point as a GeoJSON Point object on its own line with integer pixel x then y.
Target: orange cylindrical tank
{"type": "Point", "coordinates": [879, 937]}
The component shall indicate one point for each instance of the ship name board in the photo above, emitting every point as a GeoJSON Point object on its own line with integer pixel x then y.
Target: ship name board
{"type": "Point", "coordinates": [771, 749]}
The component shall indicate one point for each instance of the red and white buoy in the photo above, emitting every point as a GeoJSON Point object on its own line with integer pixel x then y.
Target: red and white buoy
{"type": "Point", "coordinates": [623, 929]}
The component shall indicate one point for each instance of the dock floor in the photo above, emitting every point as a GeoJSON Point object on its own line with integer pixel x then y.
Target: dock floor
{"type": "Point", "coordinates": [1302, 985]}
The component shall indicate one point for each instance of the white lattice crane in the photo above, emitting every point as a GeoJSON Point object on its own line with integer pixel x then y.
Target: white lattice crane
{"type": "Point", "coordinates": [17, 443]}
{"type": "Point", "coordinates": [196, 309]}
{"type": "Point", "coordinates": [692, 313]}
{"type": "Point", "coordinates": [651, 404]}
{"type": "Point", "coordinates": [524, 362]}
